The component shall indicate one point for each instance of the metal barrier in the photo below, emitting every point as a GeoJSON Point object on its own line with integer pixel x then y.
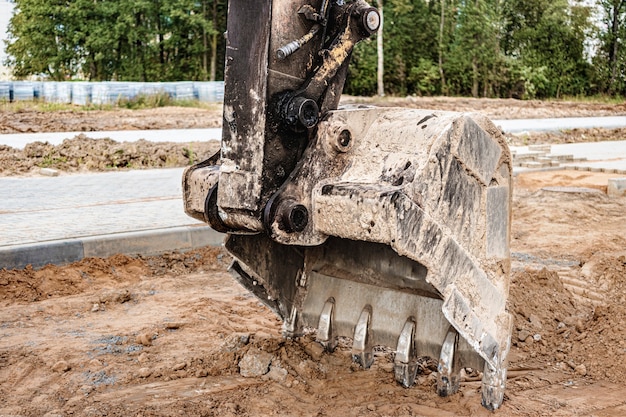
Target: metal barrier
{"type": "Point", "coordinates": [83, 93]}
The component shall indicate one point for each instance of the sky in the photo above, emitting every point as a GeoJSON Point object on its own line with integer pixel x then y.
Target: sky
{"type": "Point", "coordinates": [6, 10]}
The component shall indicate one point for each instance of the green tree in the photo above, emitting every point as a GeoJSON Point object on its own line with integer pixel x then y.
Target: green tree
{"type": "Point", "coordinates": [409, 35]}
{"type": "Point", "coordinates": [39, 40]}
{"type": "Point", "coordinates": [134, 40]}
{"type": "Point", "coordinates": [551, 35]}
{"type": "Point", "coordinates": [474, 57]}
{"type": "Point", "coordinates": [611, 57]}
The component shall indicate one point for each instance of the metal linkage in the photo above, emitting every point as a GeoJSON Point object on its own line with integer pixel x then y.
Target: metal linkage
{"type": "Point", "coordinates": [362, 352]}
{"type": "Point", "coordinates": [405, 362]}
{"type": "Point", "coordinates": [310, 14]}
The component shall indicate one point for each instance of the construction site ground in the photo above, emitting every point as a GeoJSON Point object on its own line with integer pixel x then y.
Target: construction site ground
{"type": "Point", "coordinates": [176, 335]}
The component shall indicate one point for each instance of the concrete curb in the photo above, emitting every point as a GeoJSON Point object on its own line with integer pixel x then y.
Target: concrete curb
{"type": "Point", "coordinates": [149, 242]}
{"type": "Point", "coordinates": [617, 187]}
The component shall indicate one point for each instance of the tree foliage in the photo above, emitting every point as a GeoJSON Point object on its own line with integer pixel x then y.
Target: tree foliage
{"type": "Point", "coordinates": [137, 40]}
{"type": "Point", "coordinates": [499, 48]}
{"type": "Point", "coordinates": [610, 62]}
{"type": "Point", "coordinates": [480, 48]}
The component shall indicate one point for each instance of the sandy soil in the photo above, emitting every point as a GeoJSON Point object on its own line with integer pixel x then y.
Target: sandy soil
{"type": "Point", "coordinates": [172, 335]}
{"type": "Point", "coordinates": [176, 335]}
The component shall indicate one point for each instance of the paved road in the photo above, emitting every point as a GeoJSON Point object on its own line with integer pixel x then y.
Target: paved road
{"type": "Point", "coordinates": [19, 140]}
{"type": "Point", "coordinates": [73, 206]}
{"type": "Point", "coordinates": [66, 218]}
{"type": "Point", "coordinates": [537, 125]}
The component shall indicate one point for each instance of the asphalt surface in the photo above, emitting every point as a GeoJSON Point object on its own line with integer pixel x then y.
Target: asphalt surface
{"type": "Point", "coordinates": [66, 218]}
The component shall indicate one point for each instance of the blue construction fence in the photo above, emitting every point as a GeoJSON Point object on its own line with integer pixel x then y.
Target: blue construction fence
{"type": "Point", "coordinates": [83, 93]}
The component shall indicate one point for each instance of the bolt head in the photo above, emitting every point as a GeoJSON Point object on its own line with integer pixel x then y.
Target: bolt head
{"type": "Point", "coordinates": [372, 20]}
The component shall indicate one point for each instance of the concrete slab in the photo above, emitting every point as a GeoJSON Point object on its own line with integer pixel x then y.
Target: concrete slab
{"type": "Point", "coordinates": [536, 125]}
{"type": "Point", "coordinates": [617, 187]}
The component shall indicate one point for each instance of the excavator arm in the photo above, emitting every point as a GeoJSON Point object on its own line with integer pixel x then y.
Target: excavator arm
{"type": "Point", "coordinates": [389, 226]}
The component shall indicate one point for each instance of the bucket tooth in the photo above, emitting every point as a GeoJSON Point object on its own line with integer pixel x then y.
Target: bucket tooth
{"type": "Point", "coordinates": [290, 325]}
{"type": "Point", "coordinates": [325, 331]}
{"type": "Point", "coordinates": [493, 385]}
{"type": "Point", "coordinates": [405, 362]}
{"type": "Point", "coordinates": [362, 351]}
{"type": "Point", "coordinates": [448, 367]}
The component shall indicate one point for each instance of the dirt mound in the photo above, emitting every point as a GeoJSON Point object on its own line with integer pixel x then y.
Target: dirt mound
{"type": "Point", "coordinates": [552, 328]}
{"type": "Point", "coordinates": [498, 108]}
{"type": "Point", "coordinates": [17, 119]}
{"type": "Point", "coordinates": [567, 136]}
{"type": "Point", "coordinates": [31, 285]}
{"type": "Point", "coordinates": [546, 315]}
{"type": "Point", "coordinates": [51, 281]}
{"type": "Point", "coordinates": [84, 154]}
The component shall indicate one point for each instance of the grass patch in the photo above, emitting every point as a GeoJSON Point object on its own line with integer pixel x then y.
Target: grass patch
{"type": "Point", "coordinates": [595, 99]}
{"type": "Point", "coordinates": [189, 153]}
{"type": "Point", "coordinates": [49, 161]}
{"type": "Point", "coordinates": [47, 107]}
{"type": "Point", "coordinates": [146, 101]}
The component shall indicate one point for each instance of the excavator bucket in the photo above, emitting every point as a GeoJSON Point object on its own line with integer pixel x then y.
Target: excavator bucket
{"type": "Point", "coordinates": [389, 226]}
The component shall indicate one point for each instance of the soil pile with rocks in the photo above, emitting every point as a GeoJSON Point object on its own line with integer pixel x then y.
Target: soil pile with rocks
{"type": "Point", "coordinates": [84, 154]}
